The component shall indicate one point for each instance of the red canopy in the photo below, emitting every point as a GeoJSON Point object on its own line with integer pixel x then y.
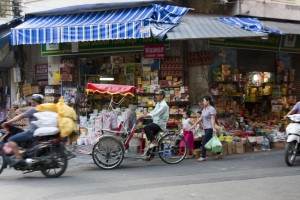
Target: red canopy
{"type": "Point", "coordinates": [111, 89]}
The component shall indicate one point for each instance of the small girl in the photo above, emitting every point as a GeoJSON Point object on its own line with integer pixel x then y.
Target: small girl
{"type": "Point", "coordinates": [189, 119]}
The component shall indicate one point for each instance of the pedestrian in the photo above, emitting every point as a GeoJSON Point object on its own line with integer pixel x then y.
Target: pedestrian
{"type": "Point", "coordinates": [189, 119]}
{"type": "Point", "coordinates": [208, 119]}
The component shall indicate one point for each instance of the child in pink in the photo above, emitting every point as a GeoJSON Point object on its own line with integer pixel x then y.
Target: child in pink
{"type": "Point", "coordinates": [187, 122]}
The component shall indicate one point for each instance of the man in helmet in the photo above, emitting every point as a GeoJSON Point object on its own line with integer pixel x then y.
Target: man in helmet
{"type": "Point", "coordinates": [160, 117]}
{"type": "Point", "coordinates": [26, 136]}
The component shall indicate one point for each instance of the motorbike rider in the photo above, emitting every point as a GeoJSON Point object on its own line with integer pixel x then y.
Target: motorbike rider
{"type": "Point", "coordinates": [160, 116]}
{"type": "Point", "coordinates": [26, 136]}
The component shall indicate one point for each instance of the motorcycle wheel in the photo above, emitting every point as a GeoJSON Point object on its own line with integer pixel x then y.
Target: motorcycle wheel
{"type": "Point", "coordinates": [2, 162]}
{"type": "Point", "coordinates": [57, 166]}
{"type": "Point", "coordinates": [290, 153]}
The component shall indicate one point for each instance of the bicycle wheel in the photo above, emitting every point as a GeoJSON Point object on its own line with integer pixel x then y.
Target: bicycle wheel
{"type": "Point", "coordinates": [172, 148]}
{"type": "Point", "coordinates": [108, 152]}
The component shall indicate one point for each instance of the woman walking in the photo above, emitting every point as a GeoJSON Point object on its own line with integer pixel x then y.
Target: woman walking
{"type": "Point", "coordinates": [208, 119]}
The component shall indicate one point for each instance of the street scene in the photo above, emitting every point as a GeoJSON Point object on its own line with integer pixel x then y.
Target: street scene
{"type": "Point", "coordinates": [149, 99]}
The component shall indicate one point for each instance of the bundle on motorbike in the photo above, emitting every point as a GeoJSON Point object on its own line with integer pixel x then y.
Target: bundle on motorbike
{"type": "Point", "coordinates": [292, 149]}
{"type": "Point", "coordinates": [46, 154]}
{"type": "Point", "coordinates": [53, 124]}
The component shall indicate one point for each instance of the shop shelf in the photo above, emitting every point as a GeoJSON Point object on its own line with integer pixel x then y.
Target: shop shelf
{"type": "Point", "coordinates": [178, 102]}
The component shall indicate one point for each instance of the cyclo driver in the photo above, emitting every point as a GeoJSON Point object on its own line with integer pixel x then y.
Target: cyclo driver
{"type": "Point", "coordinates": [26, 136]}
{"type": "Point", "coordinates": [160, 116]}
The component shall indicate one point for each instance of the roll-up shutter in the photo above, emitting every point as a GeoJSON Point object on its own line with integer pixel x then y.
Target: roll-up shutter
{"type": "Point", "coordinates": [251, 60]}
{"type": "Point", "coordinates": [296, 66]}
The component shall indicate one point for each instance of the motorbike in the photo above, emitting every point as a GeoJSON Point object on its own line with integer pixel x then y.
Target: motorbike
{"type": "Point", "coordinates": [46, 154]}
{"type": "Point", "coordinates": [292, 149]}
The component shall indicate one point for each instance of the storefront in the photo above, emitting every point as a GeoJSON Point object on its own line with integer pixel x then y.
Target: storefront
{"type": "Point", "coordinates": [150, 65]}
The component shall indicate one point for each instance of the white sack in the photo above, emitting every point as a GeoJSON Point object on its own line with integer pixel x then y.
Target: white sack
{"type": "Point", "coordinates": [44, 131]}
{"type": "Point", "coordinates": [45, 115]}
{"type": "Point", "coordinates": [49, 122]}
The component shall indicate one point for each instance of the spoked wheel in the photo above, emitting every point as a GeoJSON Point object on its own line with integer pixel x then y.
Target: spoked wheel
{"type": "Point", "coordinates": [57, 165]}
{"type": "Point", "coordinates": [108, 152]}
{"type": "Point", "coordinates": [2, 162]}
{"type": "Point", "coordinates": [290, 153]}
{"type": "Point", "coordinates": [172, 148]}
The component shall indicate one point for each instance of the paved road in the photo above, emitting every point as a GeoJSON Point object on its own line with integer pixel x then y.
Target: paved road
{"type": "Point", "coordinates": [259, 175]}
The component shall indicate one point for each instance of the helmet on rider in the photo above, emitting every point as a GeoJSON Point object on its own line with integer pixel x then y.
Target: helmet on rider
{"type": "Point", "coordinates": [38, 98]}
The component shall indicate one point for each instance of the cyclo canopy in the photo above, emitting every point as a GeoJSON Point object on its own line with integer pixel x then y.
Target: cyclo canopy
{"type": "Point", "coordinates": [111, 89]}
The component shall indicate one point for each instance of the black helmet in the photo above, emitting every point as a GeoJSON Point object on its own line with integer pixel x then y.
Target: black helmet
{"type": "Point", "coordinates": [37, 97]}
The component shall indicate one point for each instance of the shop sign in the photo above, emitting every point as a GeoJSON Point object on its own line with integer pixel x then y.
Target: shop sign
{"type": "Point", "coordinates": [52, 46]}
{"type": "Point", "coordinates": [53, 74]}
{"type": "Point", "coordinates": [286, 43]}
{"type": "Point", "coordinates": [66, 72]}
{"type": "Point", "coordinates": [41, 72]}
{"type": "Point", "coordinates": [154, 51]}
{"type": "Point", "coordinates": [101, 46]}
{"type": "Point", "coordinates": [68, 91]}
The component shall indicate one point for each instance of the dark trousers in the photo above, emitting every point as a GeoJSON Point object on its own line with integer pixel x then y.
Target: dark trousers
{"type": "Point", "coordinates": [151, 131]}
{"type": "Point", "coordinates": [207, 136]}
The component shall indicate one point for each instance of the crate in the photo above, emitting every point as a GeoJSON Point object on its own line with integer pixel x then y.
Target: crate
{"type": "Point", "coordinates": [277, 145]}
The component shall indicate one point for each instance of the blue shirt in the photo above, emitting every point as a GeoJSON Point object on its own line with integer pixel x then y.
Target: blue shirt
{"type": "Point", "coordinates": [160, 114]}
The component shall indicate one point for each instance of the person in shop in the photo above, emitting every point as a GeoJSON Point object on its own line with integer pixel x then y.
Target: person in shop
{"type": "Point", "coordinates": [208, 119]}
{"type": "Point", "coordinates": [25, 137]}
{"type": "Point", "coordinates": [295, 110]}
{"type": "Point", "coordinates": [160, 117]}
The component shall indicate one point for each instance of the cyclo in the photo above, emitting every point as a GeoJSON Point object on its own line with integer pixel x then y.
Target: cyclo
{"type": "Point", "coordinates": [109, 150]}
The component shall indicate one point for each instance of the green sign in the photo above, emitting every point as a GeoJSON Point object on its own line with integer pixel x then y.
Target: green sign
{"type": "Point", "coordinates": [283, 43]}
{"type": "Point", "coordinates": [101, 46]}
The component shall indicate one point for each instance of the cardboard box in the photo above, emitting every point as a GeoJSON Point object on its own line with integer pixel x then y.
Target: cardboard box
{"type": "Point", "coordinates": [240, 147]}
{"type": "Point", "coordinates": [252, 140]}
{"type": "Point", "coordinates": [27, 90]}
{"type": "Point", "coordinates": [229, 149]}
{"type": "Point", "coordinates": [258, 147]}
{"type": "Point", "coordinates": [249, 147]}
{"type": "Point", "coordinates": [233, 147]}
{"type": "Point", "coordinates": [225, 148]}
{"type": "Point", "coordinates": [277, 145]}
{"type": "Point", "coordinates": [209, 153]}
{"type": "Point", "coordinates": [36, 89]}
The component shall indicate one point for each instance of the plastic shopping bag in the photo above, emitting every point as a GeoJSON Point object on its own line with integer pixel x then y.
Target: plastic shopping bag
{"type": "Point", "coordinates": [214, 145]}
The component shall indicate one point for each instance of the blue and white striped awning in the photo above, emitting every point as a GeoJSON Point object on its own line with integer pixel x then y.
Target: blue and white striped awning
{"type": "Point", "coordinates": [249, 24]}
{"type": "Point", "coordinates": [127, 23]}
